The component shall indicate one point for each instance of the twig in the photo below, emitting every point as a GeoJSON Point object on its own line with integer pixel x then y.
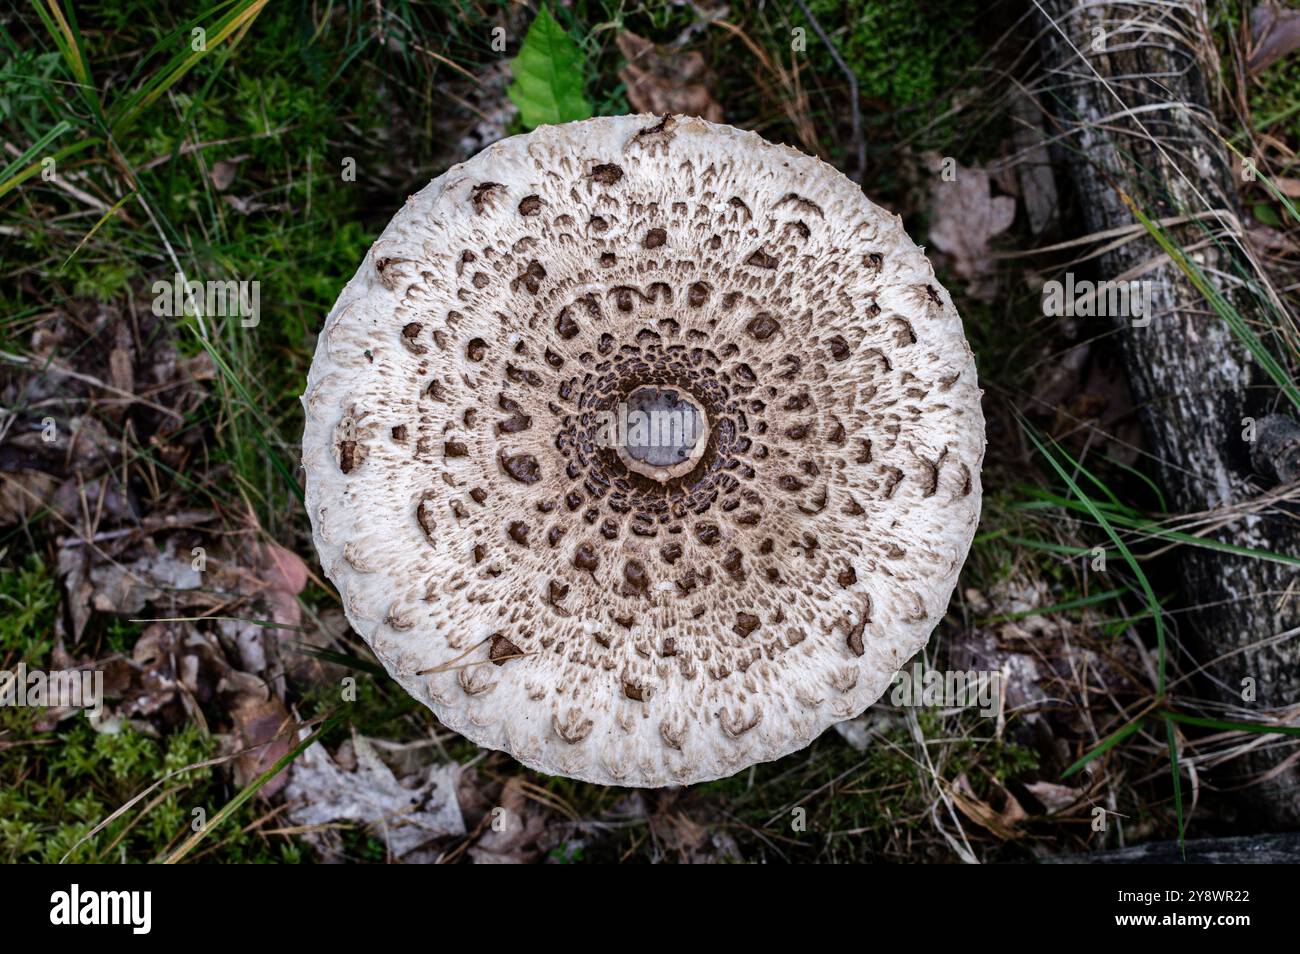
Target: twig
{"type": "Point", "coordinates": [859, 144]}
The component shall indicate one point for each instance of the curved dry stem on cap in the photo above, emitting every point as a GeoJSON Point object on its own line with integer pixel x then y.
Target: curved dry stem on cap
{"type": "Point", "coordinates": [616, 609]}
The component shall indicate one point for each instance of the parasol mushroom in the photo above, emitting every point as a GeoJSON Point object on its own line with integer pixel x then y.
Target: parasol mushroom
{"type": "Point", "coordinates": [643, 612]}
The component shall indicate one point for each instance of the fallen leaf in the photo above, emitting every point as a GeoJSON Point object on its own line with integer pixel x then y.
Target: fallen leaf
{"type": "Point", "coordinates": [261, 721]}
{"type": "Point", "coordinates": [1055, 798]}
{"type": "Point", "coordinates": [283, 569]}
{"type": "Point", "coordinates": [1274, 33]}
{"type": "Point", "coordinates": [404, 815]}
{"type": "Point", "coordinates": [173, 668]}
{"type": "Point", "coordinates": [284, 575]}
{"type": "Point", "coordinates": [249, 639]}
{"type": "Point", "coordinates": [125, 588]}
{"type": "Point", "coordinates": [23, 493]}
{"type": "Point", "coordinates": [666, 81]}
{"type": "Point", "coordinates": [223, 172]}
{"type": "Point", "coordinates": [121, 372]}
{"type": "Point", "coordinates": [1000, 823]}
{"type": "Point", "coordinates": [517, 825]}
{"type": "Point", "coordinates": [74, 570]}
{"type": "Point", "coordinates": [1265, 239]}
{"type": "Point", "coordinates": [964, 216]}
{"type": "Point", "coordinates": [245, 206]}
{"type": "Point", "coordinates": [104, 500]}
{"type": "Point", "coordinates": [549, 85]}
{"type": "Point", "coordinates": [1288, 187]}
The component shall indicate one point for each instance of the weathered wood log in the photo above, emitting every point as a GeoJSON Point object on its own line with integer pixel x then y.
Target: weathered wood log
{"type": "Point", "coordinates": [1280, 849]}
{"type": "Point", "coordinates": [1276, 452]}
{"type": "Point", "coordinates": [1127, 89]}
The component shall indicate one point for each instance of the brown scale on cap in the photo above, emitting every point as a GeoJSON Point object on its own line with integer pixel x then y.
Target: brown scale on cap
{"type": "Point", "coordinates": [670, 428]}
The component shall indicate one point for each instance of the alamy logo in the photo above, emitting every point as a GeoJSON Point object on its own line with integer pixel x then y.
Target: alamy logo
{"type": "Point", "coordinates": [227, 299]}
{"type": "Point", "coordinates": [73, 907]}
{"type": "Point", "coordinates": [949, 689]}
{"type": "Point", "coordinates": [654, 428]}
{"type": "Point", "coordinates": [72, 689]}
{"type": "Point", "coordinates": [1104, 299]}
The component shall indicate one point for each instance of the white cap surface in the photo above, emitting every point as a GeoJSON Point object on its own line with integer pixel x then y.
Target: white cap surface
{"type": "Point", "coordinates": [625, 626]}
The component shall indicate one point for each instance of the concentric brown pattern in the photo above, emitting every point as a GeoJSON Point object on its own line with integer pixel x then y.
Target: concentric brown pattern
{"type": "Point", "coordinates": [544, 598]}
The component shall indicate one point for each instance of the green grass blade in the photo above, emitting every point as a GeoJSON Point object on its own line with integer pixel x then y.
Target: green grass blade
{"type": "Point", "coordinates": [1154, 604]}
{"type": "Point", "coordinates": [258, 434]}
{"type": "Point", "coordinates": [1105, 745]}
{"type": "Point", "coordinates": [57, 130]}
{"type": "Point", "coordinates": [95, 228]}
{"type": "Point", "coordinates": [1225, 310]}
{"type": "Point", "coordinates": [1155, 488]}
{"type": "Point", "coordinates": [1150, 528]}
{"type": "Point", "coordinates": [252, 788]}
{"type": "Point", "coordinates": [1227, 725]}
{"type": "Point", "coordinates": [66, 37]}
{"type": "Point", "coordinates": [10, 182]}
{"type": "Point", "coordinates": [1178, 784]}
{"type": "Point", "coordinates": [244, 13]}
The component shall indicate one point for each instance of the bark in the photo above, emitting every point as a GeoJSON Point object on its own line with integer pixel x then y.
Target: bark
{"type": "Point", "coordinates": [1195, 384]}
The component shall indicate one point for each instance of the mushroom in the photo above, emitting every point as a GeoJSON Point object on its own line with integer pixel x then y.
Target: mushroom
{"type": "Point", "coordinates": [637, 612]}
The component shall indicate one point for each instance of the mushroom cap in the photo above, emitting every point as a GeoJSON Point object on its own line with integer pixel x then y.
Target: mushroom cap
{"type": "Point", "coordinates": [508, 566]}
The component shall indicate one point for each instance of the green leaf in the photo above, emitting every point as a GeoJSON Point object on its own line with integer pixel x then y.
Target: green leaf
{"type": "Point", "coordinates": [1265, 213]}
{"type": "Point", "coordinates": [549, 78]}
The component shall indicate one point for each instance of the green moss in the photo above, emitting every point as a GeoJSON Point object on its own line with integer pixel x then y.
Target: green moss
{"type": "Point", "coordinates": [905, 55]}
{"type": "Point", "coordinates": [60, 792]}
{"type": "Point", "coordinates": [28, 598]}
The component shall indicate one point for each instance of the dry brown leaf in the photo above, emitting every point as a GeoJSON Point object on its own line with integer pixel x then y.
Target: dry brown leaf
{"type": "Point", "coordinates": [1288, 187]}
{"type": "Point", "coordinates": [125, 588]}
{"type": "Point", "coordinates": [1274, 32]}
{"type": "Point", "coordinates": [121, 370]}
{"type": "Point", "coordinates": [517, 824]}
{"type": "Point", "coordinates": [1267, 239]}
{"type": "Point", "coordinates": [284, 574]}
{"type": "Point", "coordinates": [1000, 823]}
{"type": "Point", "coordinates": [283, 569]}
{"type": "Point", "coordinates": [173, 668]}
{"type": "Point", "coordinates": [23, 493]}
{"type": "Point", "coordinates": [262, 727]}
{"type": "Point", "coordinates": [666, 81]}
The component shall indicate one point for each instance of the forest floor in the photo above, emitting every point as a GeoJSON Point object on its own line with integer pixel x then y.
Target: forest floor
{"type": "Point", "coordinates": [151, 518]}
